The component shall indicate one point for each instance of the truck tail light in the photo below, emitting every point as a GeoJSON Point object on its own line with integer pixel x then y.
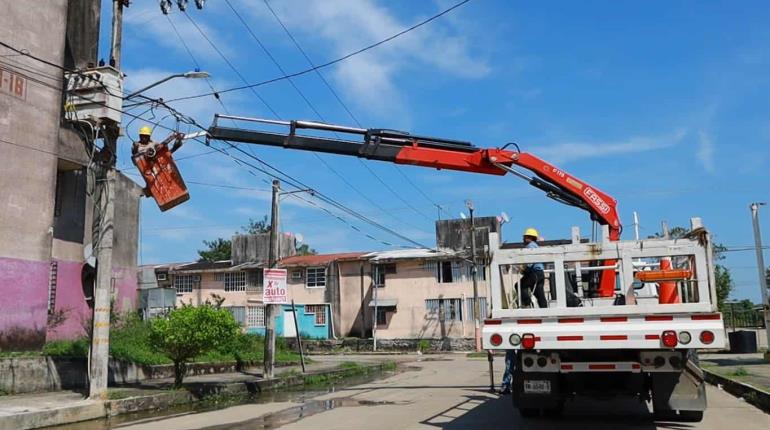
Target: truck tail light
{"type": "Point", "coordinates": [707, 337]}
{"type": "Point", "coordinates": [669, 339]}
{"type": "Point", "coordinates": [495, 339]}
{"type": "Point", "coordinates": [528, 341]}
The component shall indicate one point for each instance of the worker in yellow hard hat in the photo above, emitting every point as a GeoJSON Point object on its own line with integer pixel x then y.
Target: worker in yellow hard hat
{"type": "Point", "coordinates": [147, 147]}
{"type": "Point", "coordinates": [534, 277]}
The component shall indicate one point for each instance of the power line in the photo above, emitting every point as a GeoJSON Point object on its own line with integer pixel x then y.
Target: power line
{"type": "Point", "coordinates": [335, 61]}
{"type": "Point", "coordinates": [286, 178]}
{"type": "Point", "coordinates": [321, 117]}
{"type": "Point", "coordinates": [338, 98]}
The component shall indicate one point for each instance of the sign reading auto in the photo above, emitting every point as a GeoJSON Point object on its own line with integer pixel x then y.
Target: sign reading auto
{"type": "Point", "coordinates": [275, 290]}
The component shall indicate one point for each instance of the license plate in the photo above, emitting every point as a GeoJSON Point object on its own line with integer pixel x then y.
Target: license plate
{"type": "Point", "coordinates": [538, 387]}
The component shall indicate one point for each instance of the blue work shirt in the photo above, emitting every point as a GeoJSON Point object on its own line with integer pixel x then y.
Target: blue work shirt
{"type": "Point", "coordinates": [534, 266]}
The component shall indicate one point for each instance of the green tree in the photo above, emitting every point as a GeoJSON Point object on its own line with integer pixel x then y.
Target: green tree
{"type": "Point", "coordinates": [305, 249]}
{"type": "Point", "coordinates": [257, 226]}
{"type": "Point", "coordinates": [216, 250]}
{"type": "Point", "coordinates": [722, 274]}
{"type": "Point", "coordinates": [190, 331]}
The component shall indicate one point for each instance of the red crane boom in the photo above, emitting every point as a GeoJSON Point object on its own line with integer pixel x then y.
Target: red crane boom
{"type": "Point", "coordinates": [404, 148]}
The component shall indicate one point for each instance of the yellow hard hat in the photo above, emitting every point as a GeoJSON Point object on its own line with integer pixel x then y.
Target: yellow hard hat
{"type": "Point", "coordinates": [531, 232]}
{"type": "Point", "coordinates": [145, 131]}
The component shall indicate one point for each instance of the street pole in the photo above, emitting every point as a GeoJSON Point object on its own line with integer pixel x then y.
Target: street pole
{"type": "Point", "coordinates": [374, 327]}
{"type": "Point", "coordinates": [270, 309]}
{"type": "Point", "coordinates": [103, 219]}
{"type": "Point", "coordinates": [636, 225]}
{"type": "Point", "coordinates": [474, 269]}
{"type": "Point", "coordinates": [117, 33]}
{"type": "Point", "coordinates": [761, 270]}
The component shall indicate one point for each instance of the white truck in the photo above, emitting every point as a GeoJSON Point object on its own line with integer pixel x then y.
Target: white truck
{"type": "Point", "coordinates": [606, 329]}
{"type": "Point", "coordinates": [630, 344]}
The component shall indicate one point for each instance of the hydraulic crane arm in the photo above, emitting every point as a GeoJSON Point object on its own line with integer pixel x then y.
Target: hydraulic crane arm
{"type": "Point", "coordinates": [404, 148]}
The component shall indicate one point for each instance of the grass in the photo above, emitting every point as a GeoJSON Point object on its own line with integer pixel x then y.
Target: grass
{"type": "Point", "coordinates": [740, 371]}
{"type": "Point", "coordinates": [476, 355]}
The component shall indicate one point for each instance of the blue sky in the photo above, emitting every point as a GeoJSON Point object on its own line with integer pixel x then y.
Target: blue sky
{"type": "Point", "coordinates": [663, 105]}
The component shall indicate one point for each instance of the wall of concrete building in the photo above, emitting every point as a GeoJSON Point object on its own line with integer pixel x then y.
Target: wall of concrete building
{"type": "Point", "coordinates": [410, 286]}
{"type": "Point", "coordinates": [34, 237]}
{"type": "Point", "coordinates": [355, 287]}
{"type": "Point", "coordinates": [26, 209]}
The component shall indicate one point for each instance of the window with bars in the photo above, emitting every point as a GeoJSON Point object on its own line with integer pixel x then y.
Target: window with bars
{"type": "Point", "coordinates": [255, 316]}
{"type": "Point", "coordinates": [234, 281]}
{"type": "Point", "coordinates": [319, 311]}
{"type": "Point", "coordinates": [379, 271]}
{"type": "Point", "coordinates": [382, 317]}
{"type": "Point", "coordinates": [239, 314]}
{"type": "Point", "coordinates": [444, 309]}
{"type": "Point", "coordinates": [315, 277]}
{"type": "Point", "coordinates": [482, 307]}
{"type": "Point", "coordinates": [186, 283]}
{"type": "Point", "coordinates": [254, 281]}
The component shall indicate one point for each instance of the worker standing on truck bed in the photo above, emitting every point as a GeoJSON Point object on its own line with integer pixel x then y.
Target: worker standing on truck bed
{"type": "Point", "coordinates": [533, 278]}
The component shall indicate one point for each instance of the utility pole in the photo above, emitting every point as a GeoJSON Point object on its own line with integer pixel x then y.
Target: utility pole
{"type": "Point", "coordinates": [761, 269]}
{"type": "Point", "coordinates": [271, 309]}
{"type": "Point", "coordinates": [636, 225]}
{"type": "Point", "coordinates": [104, 208]}
{"type": "Point", "coordinates": [474, 270]}
{"type": "Point", "coordinates": [374, 327]}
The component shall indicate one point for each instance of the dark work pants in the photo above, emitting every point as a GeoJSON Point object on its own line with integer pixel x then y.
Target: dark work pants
{"type": "Point", "coordinates": [533, 279]}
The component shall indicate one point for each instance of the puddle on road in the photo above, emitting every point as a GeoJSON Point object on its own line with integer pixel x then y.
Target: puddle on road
{"type": "Point", "coordinates": [293, 414]}
{"type": "Point", "coordinates": [307, 406]}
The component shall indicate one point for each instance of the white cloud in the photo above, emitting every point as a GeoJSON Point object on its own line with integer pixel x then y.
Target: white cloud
{"type": "Point", "coordinates": [572, 151]}
{"type": "Point", "coordinates": [345, 26]}
{"type": "Point", "coordinates": [705, 153]}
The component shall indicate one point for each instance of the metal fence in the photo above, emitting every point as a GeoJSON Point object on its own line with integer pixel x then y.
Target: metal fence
{"type": "Point", "coordinates": [743, 318]}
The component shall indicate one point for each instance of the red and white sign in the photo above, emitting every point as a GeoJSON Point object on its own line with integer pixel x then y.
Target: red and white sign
{"type": "Point", "coordinates": [275, 290]}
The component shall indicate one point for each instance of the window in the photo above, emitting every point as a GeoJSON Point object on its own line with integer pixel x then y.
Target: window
{"type": "Point", "coordinates": [234, 281]}
{"type": "Point", "coordinates": [379, 271]}
{"type": "Point", "coordinates": [316, 277]}
{"type": "Point", "coordinates": [254, 281]}
{"type": "Point", "coordinates": [482, 307]}
{"type": "Point", "coordinates": [70, 205]}
{"type": "Point", "coordinates": [239, 313]}
{"type": "Point", "coordinates": [445, 273]}
{"type": "Point", "coordinates": [185, 283]}
{"type": "Point", "coordinates": [382, 317]}
{"type": "Point", "coordinates": [296, 275]}
{"type": "Point", "coordinates": [444, 309]}
{"type": "Point", "coordinates": [255, 316]}
{"type": "Point", "coordinates": [319, 311]}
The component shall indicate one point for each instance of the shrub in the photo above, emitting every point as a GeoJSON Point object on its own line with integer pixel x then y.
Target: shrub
{"type": "Point", "coordinates": [67, 348]}
{"type": "Point", "coordinates": [191, 331]}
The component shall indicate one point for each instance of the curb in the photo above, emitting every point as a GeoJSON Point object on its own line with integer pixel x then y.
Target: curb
{"type": "Point", "coordinates": [193, 392]}
{"type": "Point", "coordinates": [750, 394]}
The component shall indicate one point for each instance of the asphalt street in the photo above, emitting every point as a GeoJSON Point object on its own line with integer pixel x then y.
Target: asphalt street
{"type": "Point", "coordinates": [447, 392]}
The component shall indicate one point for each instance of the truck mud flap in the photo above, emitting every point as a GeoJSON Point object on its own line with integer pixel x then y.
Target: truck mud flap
{"type": "Point", "coordinates": [683, 391]}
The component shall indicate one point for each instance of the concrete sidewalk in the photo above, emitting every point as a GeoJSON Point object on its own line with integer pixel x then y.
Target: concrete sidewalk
{"type": "Point", "coordinates": [28, 411]}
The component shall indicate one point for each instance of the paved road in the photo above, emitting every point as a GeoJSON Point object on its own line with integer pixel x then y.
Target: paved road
{"type": "Point", "coordinates": [448, 393]}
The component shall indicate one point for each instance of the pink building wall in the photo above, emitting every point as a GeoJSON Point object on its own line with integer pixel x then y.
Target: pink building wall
{"type": "Point", "coordinates": [23, 306]}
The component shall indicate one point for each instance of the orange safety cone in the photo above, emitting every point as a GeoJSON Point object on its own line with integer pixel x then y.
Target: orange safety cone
{"type": "Point", "coordinates": [667, 291]}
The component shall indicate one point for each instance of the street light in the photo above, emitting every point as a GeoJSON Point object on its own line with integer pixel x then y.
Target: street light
{"type": "Point", "coordinates": [196, 74]}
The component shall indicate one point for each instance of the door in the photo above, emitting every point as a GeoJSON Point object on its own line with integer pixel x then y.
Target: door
{"type": "Point", "coordinates": [289, 330]}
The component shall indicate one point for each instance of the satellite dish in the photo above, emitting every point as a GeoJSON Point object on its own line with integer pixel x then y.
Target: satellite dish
{"type": "Point", "coordinates": [462, 215]}
{"type": "Point", "coordinates": [505, 217]}
{"type": "Point", "coordinates": [299, 238]}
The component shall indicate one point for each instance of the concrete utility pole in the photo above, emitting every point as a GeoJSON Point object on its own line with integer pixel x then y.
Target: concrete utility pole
{"type": "Point", "coordinates": [270, 309]}
{"type": "Point", "coordinates": [761, 269]}
{"type": "Point", "coordinates": [104, 221]}
{"type": "Point", "coordinates": [117, 32]}
{"type": "Point", "coordinates": [374, 326]}
{"type": "Point", "coordinates": [474, 272]}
